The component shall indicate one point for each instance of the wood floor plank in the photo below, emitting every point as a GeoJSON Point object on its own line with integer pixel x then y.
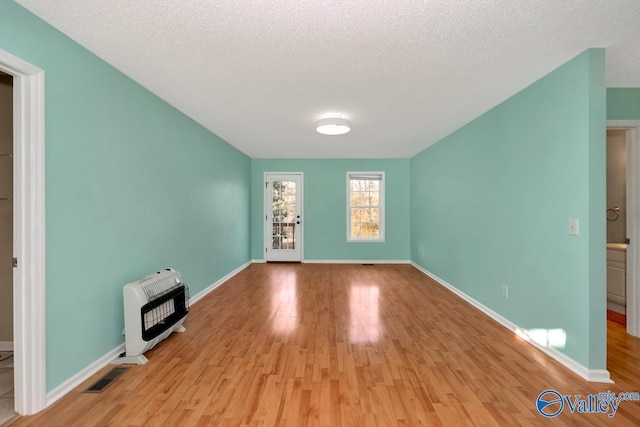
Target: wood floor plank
{"type": "Point", "coordinates": [342, 345]}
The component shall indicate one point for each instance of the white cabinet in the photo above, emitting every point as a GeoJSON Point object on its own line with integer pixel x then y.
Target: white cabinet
{"type": "Point", "coordinates": [617, 277]}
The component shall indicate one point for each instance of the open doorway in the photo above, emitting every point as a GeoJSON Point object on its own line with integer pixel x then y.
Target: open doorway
{"type": "Point", "coordinates": [623, 223]}
{"type": "Point", "coordinates": [28, 261]}
{"type": "Point", "coordinates": [6, 249]}
{"type": "Point", "coordinates": [617, 224]}
{"type": "Point", "coordinates": [623, 244]}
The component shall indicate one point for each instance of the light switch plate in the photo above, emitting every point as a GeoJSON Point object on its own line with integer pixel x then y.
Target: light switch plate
{"type": "Point", "coordinates": [573, 227]}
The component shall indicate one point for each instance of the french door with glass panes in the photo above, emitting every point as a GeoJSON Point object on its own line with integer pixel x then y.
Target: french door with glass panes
{"type": "Point", "coordinates": [283, 231]}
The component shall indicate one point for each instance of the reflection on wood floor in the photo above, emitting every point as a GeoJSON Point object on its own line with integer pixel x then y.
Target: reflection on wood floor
{"type": "Point", "coordinates": [333, 345]}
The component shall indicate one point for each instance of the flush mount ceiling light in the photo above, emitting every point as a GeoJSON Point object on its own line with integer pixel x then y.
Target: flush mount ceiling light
{"type": "Point", "coordinates": [333, 126]}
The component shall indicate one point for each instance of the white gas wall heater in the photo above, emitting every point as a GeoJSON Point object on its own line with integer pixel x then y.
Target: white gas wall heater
{"type": "Point", "coordinates": [154, 307]}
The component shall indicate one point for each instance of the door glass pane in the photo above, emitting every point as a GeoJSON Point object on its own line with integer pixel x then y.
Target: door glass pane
{"type": "Point", "coordinates": [284, 215]}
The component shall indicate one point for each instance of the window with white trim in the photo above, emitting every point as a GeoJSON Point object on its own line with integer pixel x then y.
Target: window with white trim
{"type": "Point", "coordinates": [365, 206]}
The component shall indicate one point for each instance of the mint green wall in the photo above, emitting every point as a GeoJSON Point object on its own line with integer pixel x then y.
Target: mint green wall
{"type": "Point", "coordinates": [132, 186]}
{"type": "Point", "coordinates": [623, 104]}
{"type": "Point", "coordinates": [597, 146]}
{"type": "Point", "coordinates": [490, 205]}
{"type": "Point", "coordinates": [325, 208]}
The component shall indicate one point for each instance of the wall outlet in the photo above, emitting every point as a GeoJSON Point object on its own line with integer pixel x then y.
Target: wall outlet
{"type": "Point", "coordinates": [214, 263]}
{"type": "Point", "coordinates": [505, 291]}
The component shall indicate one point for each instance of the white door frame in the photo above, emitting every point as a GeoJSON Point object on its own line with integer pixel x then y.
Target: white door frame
{"type": "Point", "coordinates": [299, 204]}
{"type": "Point", "coordinates": [28, 234]}
{"type": "Point", "coordinates": [633, 231]}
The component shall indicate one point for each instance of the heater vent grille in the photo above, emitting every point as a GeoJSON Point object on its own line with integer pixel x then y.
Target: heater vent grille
{"type": "Point", "coordinates": [164, 310]}
{"type": "Point", "coordinates": [107, 379]}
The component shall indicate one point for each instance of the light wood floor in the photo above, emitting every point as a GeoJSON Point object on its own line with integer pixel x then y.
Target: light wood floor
{"type": "Point", "coordinates": [334, 345]}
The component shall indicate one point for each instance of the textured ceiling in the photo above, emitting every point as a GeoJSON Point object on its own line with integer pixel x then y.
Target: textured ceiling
{"type": "Point", "coordinates": [406, 73]}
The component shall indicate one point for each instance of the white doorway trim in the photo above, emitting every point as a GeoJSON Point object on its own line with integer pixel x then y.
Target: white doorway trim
{"type": "Point", "coordinates": [28, 234]}
{"type": "Point", "coordinates": [633, 231]}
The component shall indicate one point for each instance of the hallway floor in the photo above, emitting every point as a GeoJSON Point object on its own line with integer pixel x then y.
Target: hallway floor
{"type": "Point", "coordinates": [623, 351]}
{"type": "Point", "coordinates": [6, 387]}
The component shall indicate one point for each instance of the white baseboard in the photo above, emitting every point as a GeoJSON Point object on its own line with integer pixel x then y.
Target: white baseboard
{"type": "Point", "coordinates": [593, 375]}
{"type": "Point", "coordinates": [197, 297]}
{"type": "Point", "coordinates": [258, 261]}
{"type": "Point", "coordinates": [6, 345]}
{"type": "Point", "coordinates": [599, 376]}
{"type": "Point", "coordinates": [355, 261]}
{"type": "Point", "coordinates": [613, 306]}
{"type": "Point", "coordinates": [73, 382]}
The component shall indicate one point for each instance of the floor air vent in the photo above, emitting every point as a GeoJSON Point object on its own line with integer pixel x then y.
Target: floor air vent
{"type": "Point", "coordinates": [107, 379]}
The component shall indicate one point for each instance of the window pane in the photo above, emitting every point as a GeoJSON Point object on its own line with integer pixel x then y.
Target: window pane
{"type": "Point", "coordinates": [355, 230]}
{"type": "Point", "coordinates": [289, 243]}
{"type": "Point", "coordinates": [284, 201]}
{"type": "Point", "coordinates": [355, 215]}
{"type": "Point", "coordinates": [374, 199]}
{"type": "Point", "coordinates": [370, 215]}
{"type": "Point", "coordinates": [365, 198]}
{"type": "Point", "coordinates": [358, 198]}
{"type": "Point", "coordinates": [288, 188]}
{"type": "Point", "coordinates": [288, 239]}
{"type": "Point", "coordinates": [290, 215]}
{"type": "Point", "coordinates": [370, 230]}
{"type": "Point", "coordinates": [365, 230]}
{"type": "Point", "coordinates": [287, 230]}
